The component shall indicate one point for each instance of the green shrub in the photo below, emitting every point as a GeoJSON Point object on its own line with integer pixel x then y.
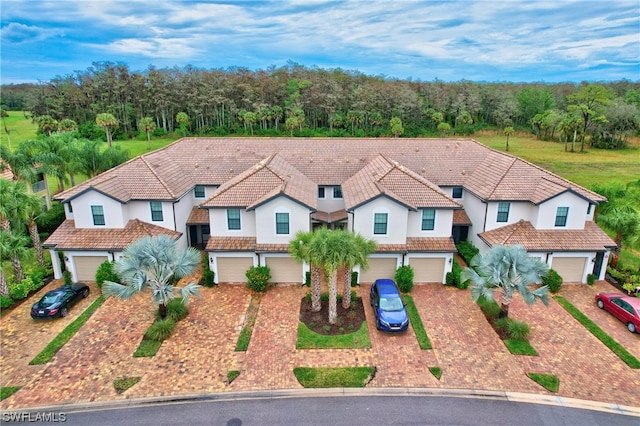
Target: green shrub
{"type": "Point", "coordinates": [354, 278]}
{"type": "Point", "coordinates": [66, 276]}
{"type": "Point", "coordinates": [176, 309]}
{"type": "Point", "coordinates": [517, 330]}
{"type": "Point", "coordinates": [18, 291]}
{"type": "Point", "coordinates": [404, 278]}
{"type": "Point", "coordinates": [209, 277]}
{"type": "Point", "coordinates": [489, 307]}
{"type": "Point", "coordinates": [591, 279]}
{"type": "Point", "coordinates": [160, 330]}
{"type": "Point", "coordinates": [553, 280]}
{"type": "Point", "coordinates": [5, 302]}
{"type": "Point", "coordinates": [467, 250]}
{"type": "Point", "coordinates": [456, 269]}
{"type": "Point", "coordinates": [324, 297]}
{"type": "Point", "coordinates": [258, 278]}
{"type": "Point", "coordinates": [450, 279]}
{"type": "Point", "coordinates": [105, 273]}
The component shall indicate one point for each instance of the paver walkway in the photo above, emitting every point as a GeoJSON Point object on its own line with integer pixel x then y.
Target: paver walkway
{"type": "Point", "coordinates": [198, 356]}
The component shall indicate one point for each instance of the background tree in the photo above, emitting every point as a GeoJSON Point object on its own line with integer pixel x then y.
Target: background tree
{"type": "Point", "coordinates": [47, 124]}
{"type": "Point", "coordinates": [147, 125]}
{"type": "Point", "coordinates": [157, 263]}
{"type": "Point", "coordinates": [443, 129]}
{"type": "Point", "coordinates": [508, 270]}
{"type": "Point", "coordinates": [508, 131]}
{"type": "Point", "coordinates": [589, 104]}
{"type": "Point", "coordinates": [67, 125]}
{"type": "Point", "coordinates": [396, 126]}
{"type": "Point", "coordinates": [108, 122]}
{"type": "Point", "coordinates": [183, 121]}
{"type": "Point", "coordinates": [93, 160]}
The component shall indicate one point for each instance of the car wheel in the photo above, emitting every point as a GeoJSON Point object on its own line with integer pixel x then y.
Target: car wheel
{"type": "Point", "coordinates": [63, 312]}
{"type": "Point", "coordinates": [377, 325]}
{"type": "Point", "coordinates": [631, 327]}
{"type": "Point", "coordinates": [600, 304]}
{"type": "Point", "coordinates": [85, 293]}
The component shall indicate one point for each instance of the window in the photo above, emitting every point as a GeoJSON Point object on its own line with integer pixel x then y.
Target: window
{"type": "Point", "coordinates": [321, 192]}
{"type": "Point", "coordinates": [156, 211]}
{"type": "Point", "coordinates": [198, 191]}
{"type": "Point", "coordinates": [233, 219]}
{"type": "Point", "coordinates": [456, 192]}
{"type": "Point", "coordinates": [428, 219]}
{"type": "Point", "coordinates": [337, 192]}
{"type": "Point", "coordinates": [589, 208]}
{"type": "Point", "coordinates": [503, 212]}
{"type": "Point", "coordinates": [380, 223]}
{"type": "Point", "coordinates": [98, 215]}
{"type": "Point", "coordinates": [70, 208]}
{"type": "Point", "coordinates": [282, 223]}
{"type": "Point", "coordinates": [561, 216]}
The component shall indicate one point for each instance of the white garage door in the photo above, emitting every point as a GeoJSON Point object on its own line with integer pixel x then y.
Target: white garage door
{"type": "Point", "coordinates": [284, 270]}
{"type": "Point", "coordinates": [569, 268]}
{"type": "Point", "coordinates": [233, 269]}
{"type": "Point", "coordinates": [86, 266]}
{"type": "Point", "coordinates": [427, 270]}
{"type": "Point", "coordinates": [378, 268]}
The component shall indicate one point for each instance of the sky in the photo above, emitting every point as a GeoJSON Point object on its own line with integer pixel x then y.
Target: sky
{"type": "Point", "coordinates": [491, 41]}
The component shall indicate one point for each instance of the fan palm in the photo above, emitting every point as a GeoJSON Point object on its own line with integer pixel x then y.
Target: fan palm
{"type": "Point", "coordinates": [507, 269]}
{"type": "Point", "coordinates": [12, 247]}
{"type": "Point", "coordinates": [154, 262]}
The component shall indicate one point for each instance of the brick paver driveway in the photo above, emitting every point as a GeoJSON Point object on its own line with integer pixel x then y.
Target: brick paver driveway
{"type": "Point", "coordinates": [201, 352]}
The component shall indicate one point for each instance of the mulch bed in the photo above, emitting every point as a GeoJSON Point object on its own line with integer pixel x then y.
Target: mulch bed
{"type": "Point", "coordinates": [348, 321]}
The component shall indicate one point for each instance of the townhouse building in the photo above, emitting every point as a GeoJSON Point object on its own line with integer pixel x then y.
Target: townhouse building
{"type": "Point", "coordinates": [242, 200]}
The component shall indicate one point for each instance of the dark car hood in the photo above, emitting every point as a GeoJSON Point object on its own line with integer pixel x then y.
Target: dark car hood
{"type": "Point", "coordinates": [394, 317]}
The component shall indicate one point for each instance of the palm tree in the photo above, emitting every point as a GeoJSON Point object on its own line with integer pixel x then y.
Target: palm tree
{"type": "Point", "coordinates": [47, 124]}
{"type": "Point", "coordinates": [7, 203]}
{"type": "Point", "coordinates": [300, 249]}
{"type": "Point", "coordinates": [357, 255]}
{"type": "Point", "coordinates": [12, 247]}
{"type": "Point", "coordinates": [20, 162]}
{"type": "Point", "coordinates": [507, 269]}
{"type": "Point", "coordinates": [508, 131]}
{"type": "Point", "coordinates": [147, 125]}
{"type": "Point", "coordinates": [30, 207]}
{"type": "Point", "coordinates": [67, 125]}
{"type": "Point", "coordinates": [154, 262]}
{"type": "Point", "coordinates": [107, 122]}
{"type": "Point", "coordinates": [183, 120]}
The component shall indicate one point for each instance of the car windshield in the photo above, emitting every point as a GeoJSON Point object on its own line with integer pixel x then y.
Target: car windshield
{"type": "Point", "coordinates": [48, 299]}
{"type": "Point", "coordinates": [391, 304]}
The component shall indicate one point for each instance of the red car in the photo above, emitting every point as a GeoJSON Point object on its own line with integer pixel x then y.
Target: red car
{"type": "Point", "coordinates": [625, 308]}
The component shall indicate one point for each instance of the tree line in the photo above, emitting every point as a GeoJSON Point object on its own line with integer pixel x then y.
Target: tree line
{"type": "Point", "coordinates": [311, 101]}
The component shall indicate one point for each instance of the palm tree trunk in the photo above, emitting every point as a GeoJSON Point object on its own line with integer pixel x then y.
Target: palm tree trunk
{"type": "Point", "coordinates": [18, 273]}
{"type": "Point", "coordinates": [346, 287]}
{"type": "Point", "coordinates": [162, 310]}
{"type": "Point", "coordinates": [4, 289]}
{"type": "Point", "coordinates": [35, 239]}
{"type": "Point", "coordinates": [333, 297]}
{"type": "Point", "coordinates": [315, 288]}
{"type": "Point", "coordinates": [504, 311]}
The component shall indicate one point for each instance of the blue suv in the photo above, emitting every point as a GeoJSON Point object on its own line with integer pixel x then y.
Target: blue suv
{"type": "Point", "coordinates": [389, 309]}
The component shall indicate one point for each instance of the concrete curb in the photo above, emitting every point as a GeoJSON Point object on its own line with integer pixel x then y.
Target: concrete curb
{"type": "Point", "coordinates": [351, 392]}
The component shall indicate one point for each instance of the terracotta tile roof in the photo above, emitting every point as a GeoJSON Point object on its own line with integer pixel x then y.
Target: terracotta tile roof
{"type": "Point", "coordinates": [272, 248]}
{"type": "Point", "coordinates": [383, 176]}
{"type": "Point", "coordinates": [330, 217]}
{"type": "Point", "coordinates": [267, 179]}
{"type": "Point", "coordinates": [231, 244]}
{"type": "Point", "coordinates": [173, 170]}
{"type": "Point", "coordinates": [591, 238]}
{"type": "Point", "coordinates": [198, 216]}
{"type": "Point", "coordinates": [419, 244]}
{"type": "Point", "coordinates": [460, 218]}
{"type": "Point", "coordinates": [68, 237]}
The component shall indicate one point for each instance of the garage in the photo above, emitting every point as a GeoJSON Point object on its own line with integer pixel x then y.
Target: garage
{"type": "Point", "coordinates": [233, 269]}
{"type": "Point", "coordinates": [571, 269]}
{"type": "Point", "coordinates": [86, 266]}
{"type": "Point", "coordinates": [379, 268]}
{"type": "Point", "coordinates": [284, 270]}
{"type": "Point", "coordinates": [427, 270]}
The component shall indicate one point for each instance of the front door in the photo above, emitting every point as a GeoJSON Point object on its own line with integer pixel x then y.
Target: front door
{"type": "Point", "coordinates": [598, 265]}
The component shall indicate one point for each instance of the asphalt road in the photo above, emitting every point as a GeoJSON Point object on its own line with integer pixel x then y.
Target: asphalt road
{"type": "Point", "coordinates": [334, 411]}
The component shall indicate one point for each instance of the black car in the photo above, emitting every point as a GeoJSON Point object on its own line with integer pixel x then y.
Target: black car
{"type": "Point", "coordinates": [56, 303]}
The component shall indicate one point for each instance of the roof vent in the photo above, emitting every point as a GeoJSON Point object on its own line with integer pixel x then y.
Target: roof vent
{"type": "Point", "coordinates": [463, 172]}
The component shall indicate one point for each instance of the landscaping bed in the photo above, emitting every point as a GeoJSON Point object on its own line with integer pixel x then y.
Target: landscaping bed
{"type": "Point", "coordinates": [348, 320]}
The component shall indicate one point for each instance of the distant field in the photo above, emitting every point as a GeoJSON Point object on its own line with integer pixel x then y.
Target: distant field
{"type": "Point", "coordinates": [20, 129]}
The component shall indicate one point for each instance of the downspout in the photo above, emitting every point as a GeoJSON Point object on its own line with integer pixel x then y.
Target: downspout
{"type": "Point", "coordinates": [486, 209]}
{"type": "Point", "coordinates": [175, 225]}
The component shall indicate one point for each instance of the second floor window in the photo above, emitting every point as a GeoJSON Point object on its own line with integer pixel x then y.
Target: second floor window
{"type": "Point", "coordinates": [456, 192]}
{"type": "Point", "coordinates": [156, 211]}
{"type": "Point", "coordinates": [561, 216]}
{"type": "Point", "coordinates": [98, 215]}
{"type": "Point", "coordinates": [321, 192]}
{"type": "Point", "coordinates": [198, 191]}
{"type": "Point", "coordinates": [428, 219]}
{"type": "Point", "coordinates": [233, 219]}
{"type": "Point", "coordinates": [503, 212]}
{"type": "Point", "coordinates": [380, 223]}
{"type": "Point", "coordinates": [337, 192]}
{"type": "Point", "coordinates": [282, 223]}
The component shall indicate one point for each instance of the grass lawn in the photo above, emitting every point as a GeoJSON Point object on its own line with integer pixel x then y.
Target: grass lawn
{"type": "Point", "coordinates": [7, 391]}
{"type": "Point", "coordinates": [416, 323]}
{"type": "Point", "coordinates": [548, 381]}
{"type": "Point", "coordinates": [308, 339]}
{"type": "Point", "coordinates": [348, 377]}
{"type": "Point", "coordinates": [520, 347]}
{"type": "Point", "coordinates": [20, 129]}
